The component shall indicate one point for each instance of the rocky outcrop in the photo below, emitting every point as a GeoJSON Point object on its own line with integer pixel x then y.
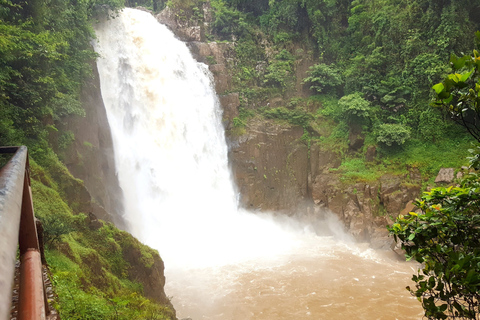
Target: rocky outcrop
{"type": "Point", "coordinates": [220, 59]}
{"type": "Point", "coordinates": [147, 268]}
{"type": "Point", "coordinates": [185, 28]}
{"type": "Point", "coordinates": [269, 164]}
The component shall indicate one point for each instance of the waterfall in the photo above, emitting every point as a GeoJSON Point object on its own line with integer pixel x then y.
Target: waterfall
{"type": "Point", "coordinates": [171, 161]}
{"type": "Point", "coordinates": [170, 149]}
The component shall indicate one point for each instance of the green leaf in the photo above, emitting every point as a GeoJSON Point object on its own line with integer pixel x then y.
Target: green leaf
{"type": "Point", "coordinates": [466, 75]}
{"type": "Point", "coordinates": [439, 87]}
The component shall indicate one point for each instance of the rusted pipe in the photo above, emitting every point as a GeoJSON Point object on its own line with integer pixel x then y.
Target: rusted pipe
{"type": "Point", "coordinates": [17, 226]}
{"type": "Point", "coordinates": [12, 177]}
{"type": "Point", "coordinates": [31, 298]}
{"type": "Point", "coordinates": [28, 238]}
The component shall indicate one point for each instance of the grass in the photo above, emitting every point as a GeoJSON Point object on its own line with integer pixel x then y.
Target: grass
{"type": "Point", "coordinates": [355, 170]}
{"type": "Point", "coordinates": [428, 158]}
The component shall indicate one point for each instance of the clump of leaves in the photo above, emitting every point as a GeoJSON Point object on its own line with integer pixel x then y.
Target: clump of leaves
{"type": "Point", "coordinates": [323, 77]}
{"type": "Point", "coordinates": [355, 107]}
{"type": "Point", "coordinates": [296, 116]}
{"type": "Point", "coordinates": [459, 93]}
{"type": "Point", "coordinates": [391, 134]}
{"type": "Point", "coordinates": [280, 69]}
{"type": "Point", "coordinates": [444, 237]}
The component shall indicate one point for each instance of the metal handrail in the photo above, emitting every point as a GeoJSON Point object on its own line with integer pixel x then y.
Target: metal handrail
{"type": "Point", "coordinates": [17, 227]}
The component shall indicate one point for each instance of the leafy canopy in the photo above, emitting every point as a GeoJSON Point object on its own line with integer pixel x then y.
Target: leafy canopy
{"type": "Point", "coordinates": [459, 92]}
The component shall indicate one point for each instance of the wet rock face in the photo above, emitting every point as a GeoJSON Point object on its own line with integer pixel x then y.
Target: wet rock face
{"type": "Point", "coordinates": [220, 58]}
{"type": "Point", "coordinates": [150, 276]}
{"type": "Point", "coordinates": [185, 29]}
{"type": "Point", "coordinates": [90, 157]}
{"type": "Point", "coordinates": [364, 208]}
{"type": "Point", "coordinates": [270, 166]}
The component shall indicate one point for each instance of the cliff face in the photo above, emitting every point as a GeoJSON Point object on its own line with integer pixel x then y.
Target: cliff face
{"type": "Point", "coordinates": [91, 157]}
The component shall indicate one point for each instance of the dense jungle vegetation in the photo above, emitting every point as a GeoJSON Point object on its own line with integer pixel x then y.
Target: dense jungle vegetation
{"type": "Point", "coordinates": [45, 57]}
{"type": "Point", "coordinates": [373, 64]}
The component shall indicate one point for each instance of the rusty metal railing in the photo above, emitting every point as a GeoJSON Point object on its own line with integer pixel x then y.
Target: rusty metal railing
{"type": "Point", "coordinates": [18, 230]}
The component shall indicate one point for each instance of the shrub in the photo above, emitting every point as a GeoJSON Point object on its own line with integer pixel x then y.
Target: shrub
{"type": "Point", "coordinates": [323, 77]}
{"type": "Point", "coordinates": [279, 72]}
{"type": "Point", "coordinates": [355, 107]}
{"type": "Point", "coordinates": [444, 238]}
{"type": "Point", "coordinates": [297, 117]}
{"type": "Point", "coordinates": [392, 134]}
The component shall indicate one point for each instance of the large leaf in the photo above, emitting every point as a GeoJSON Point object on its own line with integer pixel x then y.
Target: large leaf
{"type": "Point", "coordinates": [439, 87]}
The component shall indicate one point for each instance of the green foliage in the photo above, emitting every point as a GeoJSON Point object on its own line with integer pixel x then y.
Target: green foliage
{"type": "Point", "coordinates": [45, 57]}
{"type": "Point", "coordinates": [323, 77]}
{"type": "Point", "coordinates": [239, 123]}
{"type": "Point", "coordinates": [459, 95]}
{"type": "Point", "coordinates": [391, 134]}
{"type": "Point", "coordinates": [55, 215]}
{"type": "Point", "coordinates": [154, 5]}
{"type": "Point", "coordinates": [228, 21]}
{"type": "Point", "coordinates": [296, 116]}
{"type": "Point", "coordinates": [444, 238]}
{"type": "Point", "coordinates": [355, 108]}
{"type": "Point", "coordinates": [76, 301]}
{"type": "Point", "coordinates": [279, 71]}
{"type": "Point", "coordinates": [66, 139]}
{"type": "Point", "coordinates": [431, 126]}
{"type": "Point", "coordinates": [357, 170]}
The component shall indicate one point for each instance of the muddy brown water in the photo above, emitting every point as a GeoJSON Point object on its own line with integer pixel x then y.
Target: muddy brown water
{"type": "Point", "coordinates": [328, 281]}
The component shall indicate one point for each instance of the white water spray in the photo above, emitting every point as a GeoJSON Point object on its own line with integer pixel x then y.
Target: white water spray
{"type": "Point", "coordinates": [170, 150]}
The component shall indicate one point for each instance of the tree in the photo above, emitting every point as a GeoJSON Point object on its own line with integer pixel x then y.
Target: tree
{"type": "Point", "coordinates": [393, 134]}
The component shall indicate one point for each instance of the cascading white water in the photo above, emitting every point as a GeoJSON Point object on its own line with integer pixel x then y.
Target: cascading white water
{"type": "Point", "coordinates": [171, 161]}
{"type": "Point", "coordinates": [170, 150]}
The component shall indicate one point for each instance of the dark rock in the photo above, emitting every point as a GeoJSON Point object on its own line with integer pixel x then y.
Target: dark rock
{"type": "Point", "coordinates": [269, 164]}
{"type": "Point", "coordinates": [91, 158]}
{"type": "Point", "coordinates": [230, 104]}
{"type": "Point", "coordinates": [371, 153]}
{"type": "Point", "coordinates": [93, 222]}
{"type": "Point", "coordinates": [185, 29]}
{"type": "Point", "coordinates": [355, 137]}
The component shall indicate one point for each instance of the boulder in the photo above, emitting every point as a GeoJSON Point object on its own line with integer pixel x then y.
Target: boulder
{"type": "Point", "coordinates": [445, 175]}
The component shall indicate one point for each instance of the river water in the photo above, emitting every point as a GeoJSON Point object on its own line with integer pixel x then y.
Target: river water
{"type": "Point", "coordinates": [222, 262]}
